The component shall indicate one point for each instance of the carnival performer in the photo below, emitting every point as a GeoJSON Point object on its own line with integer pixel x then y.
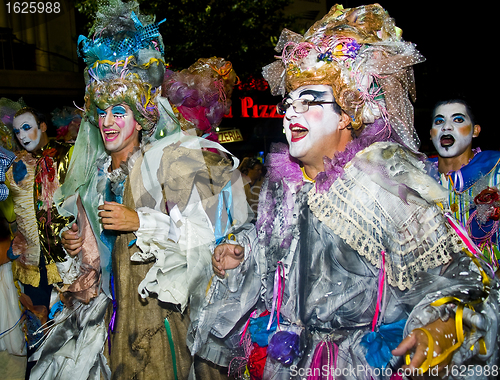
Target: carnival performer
{"type": "Point", "coordinates": [150, 201]}
{"type": "Point", "coordinates": [37, 172]}
{"type": "Point", "coordinates": [471, 176]}
{"type": "Point", "coordinates": [352, 251]}
{"type": "Point", "coordinates": [12, 341]}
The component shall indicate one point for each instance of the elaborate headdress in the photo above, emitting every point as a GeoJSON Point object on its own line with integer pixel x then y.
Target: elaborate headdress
{"type": "Point", "coordinates": [360, 53]}
{"type": "Point", "coordinates": [201, 93]}
{"type": "Point", "coordinates": [124, 58]}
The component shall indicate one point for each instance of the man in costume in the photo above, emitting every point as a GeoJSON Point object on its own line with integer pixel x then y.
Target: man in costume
{"type": "Point", "coordinates": [12, 341]}
{"type": "Point", "coordinates": [150, 201]}
{"type": "Point", "coordinates": [471, 176]}
{"type": "Point", "coordinates": [352, 251]}
{"type": "Point", "coordinates": [36, 173]}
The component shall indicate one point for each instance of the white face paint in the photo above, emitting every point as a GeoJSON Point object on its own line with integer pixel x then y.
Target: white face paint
{"type": "Point", "coordinates": [119, 129]}
{"type": "Point", "coordinates": [27, 131]}
{"type": "Point", "coordinates": [452, 130]}
{"type": "Point", "coordinates": [313, 134]}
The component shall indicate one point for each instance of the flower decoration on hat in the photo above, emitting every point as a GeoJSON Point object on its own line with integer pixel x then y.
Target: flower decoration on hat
{"type": "Point", "coordinates": [359, 52]}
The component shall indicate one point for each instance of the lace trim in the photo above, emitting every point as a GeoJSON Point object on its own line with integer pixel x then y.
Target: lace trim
{"type": "Point", "coordinates": [371, 219]}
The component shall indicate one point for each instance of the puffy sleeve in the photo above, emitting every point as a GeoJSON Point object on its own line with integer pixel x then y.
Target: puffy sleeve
{"type": "Point", "coordinates": [194, 198]}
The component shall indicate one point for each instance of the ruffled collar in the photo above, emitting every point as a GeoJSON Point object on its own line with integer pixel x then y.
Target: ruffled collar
{"type": "Point", "coordinates": [119, 174]}
{"type": "Point", "coordinates": [284, 169]}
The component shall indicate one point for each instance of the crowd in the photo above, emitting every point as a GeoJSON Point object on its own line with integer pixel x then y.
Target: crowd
{"type": "Point", "coordinates": [134, 246]}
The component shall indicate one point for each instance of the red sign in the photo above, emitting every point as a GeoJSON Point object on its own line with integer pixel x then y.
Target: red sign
{"type": "Point", "coordinates": [248, 109]}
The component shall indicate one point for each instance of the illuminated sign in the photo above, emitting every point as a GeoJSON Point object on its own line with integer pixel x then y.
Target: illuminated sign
{"type": "Point", "coordinates": [230, 136]}
{"type": "Point", "coordinates": [248, 109]}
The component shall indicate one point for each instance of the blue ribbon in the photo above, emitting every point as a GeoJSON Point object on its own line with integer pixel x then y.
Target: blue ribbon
{"type": "Point", "coordinates": [225, 198]}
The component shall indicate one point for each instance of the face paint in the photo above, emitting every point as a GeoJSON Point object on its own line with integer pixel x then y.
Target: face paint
{"type": "Point", "coordinates": [119, 129]}
{"type": "Point", "coordinates": [452, 130]}
{"type": "Point", "coordinates": [313, 134]}
{"type": "Point", "coordinates": [27, 131]}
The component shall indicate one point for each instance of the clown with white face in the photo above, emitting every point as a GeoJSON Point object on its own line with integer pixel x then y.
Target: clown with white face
{"type": "Point", "coordinates": [313, 127]}
{"type": "Point", "coordinates": [119, 131]}
{"type": "Point", "coordinates": [452, 133]}
{"type": "Point", "coordinates": [31, 135]}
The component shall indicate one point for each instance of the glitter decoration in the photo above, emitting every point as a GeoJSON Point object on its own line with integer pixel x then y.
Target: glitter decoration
{"type": "Point", "coordinates": [359, 52]}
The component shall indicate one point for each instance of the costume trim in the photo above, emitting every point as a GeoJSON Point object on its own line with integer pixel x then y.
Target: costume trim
{"type": "Point", "coordinates": [352, 209]}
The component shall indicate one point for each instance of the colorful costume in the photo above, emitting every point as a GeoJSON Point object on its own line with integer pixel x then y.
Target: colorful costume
{"type": "Point", "coordinates": [33, 180]}
{"type": "Point", "coordinates": [338, 271]}
{"type": "Point", "coordinates": [12, 341]}
{"type": "Point", "coordinates": [467, 186]}
{"type": "Point", "coordinates": [136, 288]}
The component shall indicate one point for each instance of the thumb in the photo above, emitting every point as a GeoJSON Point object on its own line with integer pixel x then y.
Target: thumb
{"type": "Point", "coordinates": [74, 227]}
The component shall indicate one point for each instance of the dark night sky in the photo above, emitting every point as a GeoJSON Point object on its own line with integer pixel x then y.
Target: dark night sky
{"type": "Point", "coordinates": [457, 42]}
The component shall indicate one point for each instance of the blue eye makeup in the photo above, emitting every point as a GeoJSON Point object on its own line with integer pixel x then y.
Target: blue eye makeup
{"type": "Point", "coordinates": [439, 120]}
{"type": "Point", "coordinates": [119, 110]}
{"type": "Point", "coordinates": [24, 127]}
{"type": "Point", "coordinates": [100, 112]}
{"type": "Point", "coordinates": [459, 119]}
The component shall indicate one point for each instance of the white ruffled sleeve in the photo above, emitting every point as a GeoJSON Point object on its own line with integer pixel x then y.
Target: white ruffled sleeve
{"type": "Point", "coordinates": [179, 244]}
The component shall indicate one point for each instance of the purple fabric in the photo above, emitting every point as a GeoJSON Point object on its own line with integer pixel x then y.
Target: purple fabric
{"type": "Point", "coordinates": [284, 347]}
{"type": "Point", "coordinates": [284, 169]}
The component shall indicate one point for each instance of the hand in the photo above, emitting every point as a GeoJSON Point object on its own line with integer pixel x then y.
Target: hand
{"type": "Point", "coordinates": [443, 335]}
{"type": "Point", "coordinates": [117, 217]}
{"type": "Point", "coordinates": [71, 241]}
{"type": "Point", "coordinates": [227, 256]}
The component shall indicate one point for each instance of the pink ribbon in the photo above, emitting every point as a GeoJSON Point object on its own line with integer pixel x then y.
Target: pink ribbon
{"type": "Point", "coordinates": [279, 287]}
{"type": "Point", "coordinates": [460, 230]}
{"type": "Point", "coordinates": [318, 362]}
{"type": "Point", "coordinates": [243, 332]}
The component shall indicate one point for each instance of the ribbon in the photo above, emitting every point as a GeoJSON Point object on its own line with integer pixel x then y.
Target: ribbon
{"type": "Point", "coordinates": [473, 251]}
{"type": "Point", "coordinates": [15, 324]}
{"type": "Point", "coordinates": [172, 350]}
{"type": "Point", "coordinates": [245, 328]}
{"type": "Point", "coordinates": [278, 290]}
{"type": "Point", "coordinates": [112, 321]}
{"type": "Point", "coordinates": [381, 280]}
{"type": "Point", "coordinates": [318, 361]}
{"type": "Point", "coordinates": [460, 230]}
{"type": "Point", "coordinates": [431, 361]}
{"type": "Point", "coordinates": [225, 198]}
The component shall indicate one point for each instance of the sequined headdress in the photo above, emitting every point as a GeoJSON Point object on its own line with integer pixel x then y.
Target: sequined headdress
{"type": "Point", "coordinates": [360, 53]}
{"type": "Point", "coordinates": [124, 59]}
{"type": "Point", "coordinates": [201, 94]}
